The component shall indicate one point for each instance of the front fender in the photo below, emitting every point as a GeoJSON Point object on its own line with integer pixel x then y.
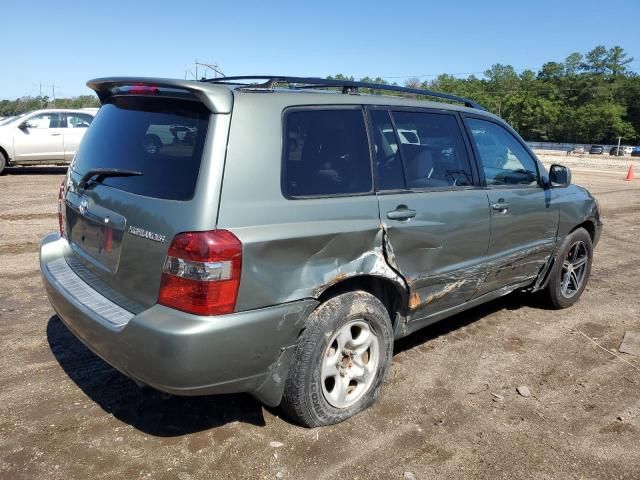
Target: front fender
{"type": "Point", "coordinates": [576, 206]}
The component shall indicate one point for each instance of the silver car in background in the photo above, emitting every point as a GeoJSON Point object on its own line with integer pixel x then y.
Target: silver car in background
{"type": "Point", "coordinates": [49, 136]}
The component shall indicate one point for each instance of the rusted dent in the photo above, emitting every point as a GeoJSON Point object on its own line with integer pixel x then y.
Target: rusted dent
{"type": "Point", "coordinates": [341, 276]}
{"type": "Point", "coordinates": [414, 300]}
{"type": "Point", "coordinates": [430, 292]}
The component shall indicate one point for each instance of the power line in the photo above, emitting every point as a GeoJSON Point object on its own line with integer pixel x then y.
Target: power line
{"type": "Point", "coordinates": [217, 71]}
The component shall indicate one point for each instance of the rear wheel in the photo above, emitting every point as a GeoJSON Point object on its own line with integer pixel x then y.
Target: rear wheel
{"type": "Point", "coordinates": [570, 273]}
{"type": "Point", "coordinates": [3, 162]}
{"type": "Point", "coordinates": [340, 360]}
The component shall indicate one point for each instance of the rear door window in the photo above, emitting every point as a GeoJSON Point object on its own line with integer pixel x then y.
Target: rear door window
{"type": "Point", "coordinates": [326, 153]}
{"type": "Point", "coordinates": [433, 150]}
{"type": "Point", "coordinates": [78, 120]}
{"type": "Point", "coordinates": [162, 138]}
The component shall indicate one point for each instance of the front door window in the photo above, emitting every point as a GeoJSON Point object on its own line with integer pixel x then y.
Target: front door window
{"type": "Point", "coordinates": [504, 160]}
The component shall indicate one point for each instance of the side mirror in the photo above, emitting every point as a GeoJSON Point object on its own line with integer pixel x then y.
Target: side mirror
{"type": "Point", "coordinates": [559, 176]}
{"type": "Point", "coordinates": [25, 125]}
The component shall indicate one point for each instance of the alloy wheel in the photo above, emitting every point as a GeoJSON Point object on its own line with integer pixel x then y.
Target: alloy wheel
{"type": "Point", "coordinates": [574, 269]}
{"type": "Point", "coordinates": [350, 364]}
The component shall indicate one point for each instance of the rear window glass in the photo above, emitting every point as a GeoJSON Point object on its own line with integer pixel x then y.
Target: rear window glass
{"type": "Point", "coordinates": [326, 153]}
{"type": "Point", "coordinates": [163, 139]}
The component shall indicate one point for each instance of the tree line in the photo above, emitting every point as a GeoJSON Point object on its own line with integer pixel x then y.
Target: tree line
{"type": "Point", "coordinates": [588, 98]}
{"type": "Point", "coordinates": [9, 108]}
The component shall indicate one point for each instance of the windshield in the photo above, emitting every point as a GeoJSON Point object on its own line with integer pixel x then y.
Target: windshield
{"type": "Point", "coordinates": [161, 138]}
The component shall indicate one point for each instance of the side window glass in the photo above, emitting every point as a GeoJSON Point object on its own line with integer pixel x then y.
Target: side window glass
{"type": "Point", "coordinates": [433, 150]}
{"type": "Point", "coordinates": [504, 160]}
{"type": "Point", "coordinates": [389, 175]}
{"type": "Point", "coordinates": [326, 153]}
{"type": "Point", "coordinates": [45, 120]}
{"type": "Point", "coordinates": [78, 120]}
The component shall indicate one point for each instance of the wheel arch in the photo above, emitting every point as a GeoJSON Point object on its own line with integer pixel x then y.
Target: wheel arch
{"type": "Point", "coordinates": [4, 152]}
{"type": "Point", "coordinates": [589, 226]}
{"type": "Point", "coordinates": [543, 277]}
{"type": "Point", "coordinates": [391, 293]}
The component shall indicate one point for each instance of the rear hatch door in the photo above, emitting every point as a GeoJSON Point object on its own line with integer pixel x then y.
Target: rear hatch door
{"type": "Point", "coordinates": [120, 225]}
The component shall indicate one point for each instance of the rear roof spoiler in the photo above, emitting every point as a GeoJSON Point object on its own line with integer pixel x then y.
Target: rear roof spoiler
{"type": "Point", "coordinates": [217, 98]}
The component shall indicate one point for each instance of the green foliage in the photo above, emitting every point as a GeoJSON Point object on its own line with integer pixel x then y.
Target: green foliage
{"type": "Point", "coordinates": [21, 105]}
{"type": "Point", "coordinates": [590, 98]}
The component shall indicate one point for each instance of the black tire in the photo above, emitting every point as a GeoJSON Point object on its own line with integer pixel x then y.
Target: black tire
{"type": "Point", "coordinates": [554, 295]}
{"type": "Point", "coordinates": [3, 162]}
{"type": "Point", "coordinates": [304, 399]}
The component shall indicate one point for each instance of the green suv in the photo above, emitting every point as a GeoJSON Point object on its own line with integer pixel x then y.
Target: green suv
{"type": "Point", "coordinates": [276, 235]}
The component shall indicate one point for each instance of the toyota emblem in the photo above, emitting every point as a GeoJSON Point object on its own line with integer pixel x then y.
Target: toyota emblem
{"type": "Point", "coordinates": [84, 206]}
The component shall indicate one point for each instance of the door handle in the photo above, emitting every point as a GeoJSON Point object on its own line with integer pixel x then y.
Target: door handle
{"type": "Point", "coordinates": [55, 134]}
{"type": "Point", "coordinates": [500, 206]}
{"type": "Point", "coordinates": [402, 212]}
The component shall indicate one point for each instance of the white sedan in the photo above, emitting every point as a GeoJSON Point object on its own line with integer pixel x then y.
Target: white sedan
{"type": "Point", "coordinates": [49, 136]}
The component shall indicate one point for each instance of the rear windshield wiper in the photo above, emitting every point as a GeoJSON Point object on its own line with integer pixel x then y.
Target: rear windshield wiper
{"type": "Point", "coordinates": [106, 172]}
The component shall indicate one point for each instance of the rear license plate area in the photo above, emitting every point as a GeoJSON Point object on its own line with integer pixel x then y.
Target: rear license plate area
{"type": "Point", "coordinates": [96, 239]}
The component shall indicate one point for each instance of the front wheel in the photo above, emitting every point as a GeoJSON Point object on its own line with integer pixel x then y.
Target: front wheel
{"type": "Point", "coordinates": [571, 270]}
{"type": "Point", "coordinates": [340, 360]}
{"type": "Point", "coordinates": [3, 162]}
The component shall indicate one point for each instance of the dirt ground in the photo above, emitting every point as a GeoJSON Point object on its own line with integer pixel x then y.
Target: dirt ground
{"type": "Point", "coordinates": [449, 408]}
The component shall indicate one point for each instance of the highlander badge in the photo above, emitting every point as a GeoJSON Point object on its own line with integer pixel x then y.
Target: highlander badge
{"type": "Point", "coordinates": [141, 232]}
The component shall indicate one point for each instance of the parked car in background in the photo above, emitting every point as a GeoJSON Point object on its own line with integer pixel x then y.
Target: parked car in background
{"type": "Point", "coordinates": [596, 150]}
{"type": "Point", "coordinates": [627, 150]}
{"type": "Point", "coordinates": [635, 152]}
{"type": "Point", "coordinates": [49, 136]}
{"type": "Point", "coordinates": [576, 150]}
{"type": "Point", "coordinates": [282, 242]}
{"type": "Point", "coordinates": [617, 151]}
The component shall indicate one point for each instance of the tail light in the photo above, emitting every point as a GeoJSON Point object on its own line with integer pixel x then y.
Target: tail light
{"type": "Point", "coordinates": [61, 209]}
{"type": "Point", "coordinates": [201, 273]}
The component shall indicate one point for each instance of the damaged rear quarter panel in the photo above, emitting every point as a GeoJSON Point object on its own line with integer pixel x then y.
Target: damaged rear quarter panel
{"type": "Point", "coordinates": [309, 258]}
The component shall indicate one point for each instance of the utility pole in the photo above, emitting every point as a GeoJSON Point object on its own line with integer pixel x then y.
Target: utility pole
{"type": "Point", "coordinates": [217, 72]}
{"type": "Point", "coordinates": [618, 150]}
{"type": "Point", "coordinates": [215, 67]}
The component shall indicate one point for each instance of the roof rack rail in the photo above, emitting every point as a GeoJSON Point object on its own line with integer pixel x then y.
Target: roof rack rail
{"type": "Point", "coordinates": [348, 86]}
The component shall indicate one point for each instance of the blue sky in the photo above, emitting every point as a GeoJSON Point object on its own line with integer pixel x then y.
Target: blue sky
{"type": "Point", "coordinates": [65, 43]}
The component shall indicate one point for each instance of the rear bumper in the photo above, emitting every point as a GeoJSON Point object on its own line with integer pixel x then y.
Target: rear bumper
{"type": "Point", "coordinates": [177, 352]}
